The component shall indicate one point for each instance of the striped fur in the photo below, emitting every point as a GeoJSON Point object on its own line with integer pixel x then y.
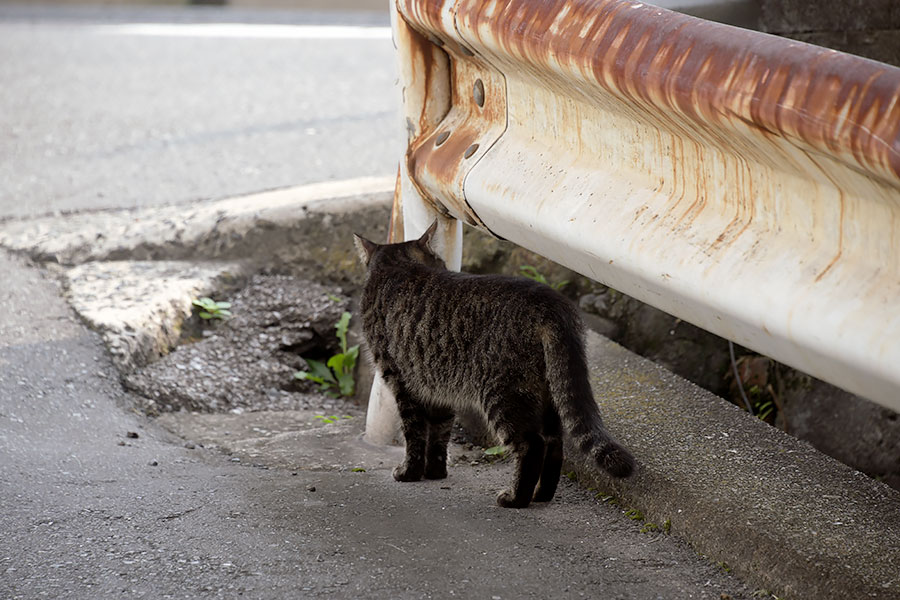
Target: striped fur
{"type": "Point", "coordinates": [509, 347]}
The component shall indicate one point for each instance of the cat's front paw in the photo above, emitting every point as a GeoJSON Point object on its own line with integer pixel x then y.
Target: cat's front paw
{"type": "Point", "coordinates": [507, 499]}
{"type": "Point", "coordinates": [404, 472]}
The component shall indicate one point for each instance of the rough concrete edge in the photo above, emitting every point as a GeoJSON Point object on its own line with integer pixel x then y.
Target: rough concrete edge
{"type": "Point", "coordinates": [139, 319]}
{"type": "Point", "coordinates": [783, 516]}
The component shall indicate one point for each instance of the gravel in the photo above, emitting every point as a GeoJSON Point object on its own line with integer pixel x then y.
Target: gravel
{"type": "Point", "coordinates": [246, 363]}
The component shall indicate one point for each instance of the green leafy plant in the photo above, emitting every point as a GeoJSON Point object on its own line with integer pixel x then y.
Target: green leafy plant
{"type": "Point", "coordinates": [358, 470]}
{"type": "Point", "coordinates": [332, 419]}
{"type": "Point", "coordinates": [335, 377]}
{"type": "Point", "coordinates": [764, 409]}
{"type": "Point", "coordinates": [495, 451]}
{"type": "Point", "coordinates": [532, 273]}
{"type": "Point", "coordinates": [210, 309]}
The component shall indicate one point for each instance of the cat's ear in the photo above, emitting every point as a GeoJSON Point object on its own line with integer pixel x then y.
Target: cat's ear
{"type": "Point", "coordinates": [425, 240]}
{"type": "Point", "coordinates": [365, 248]}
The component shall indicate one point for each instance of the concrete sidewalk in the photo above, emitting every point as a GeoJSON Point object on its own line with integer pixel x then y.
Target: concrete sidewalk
{"type": "Point", "coordinates": [90, 512]}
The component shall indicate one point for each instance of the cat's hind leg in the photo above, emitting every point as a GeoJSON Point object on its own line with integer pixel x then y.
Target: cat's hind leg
{"type": "Point", "coordinates": [440, 423]}
{"type": "Point", "coordinates": [515, 418]}
{"type": "Point", "coordinates": [553, 456]}
{"type": "Point", "coordinates": [529, 452]}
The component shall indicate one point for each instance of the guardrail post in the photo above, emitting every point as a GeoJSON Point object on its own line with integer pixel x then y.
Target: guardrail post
{"type": "Point", "coordinates": [410, 218]}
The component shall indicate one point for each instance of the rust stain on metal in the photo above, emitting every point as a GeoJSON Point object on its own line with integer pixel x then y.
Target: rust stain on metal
{"type": "Point", "coordinates": [425, 14]}
{"type": "Point", "coordinates": [430, 63]}
{"type": "Point", "coordinates": [439, 159]}
{"type": "Point", "coordinates": [840, 242]}
{"type": "Point", "coordinates": [395, 230]}
{"type": "Point", "coordinates": [477, 117]}
{"type": "Point", "coordinates": [709, 73]}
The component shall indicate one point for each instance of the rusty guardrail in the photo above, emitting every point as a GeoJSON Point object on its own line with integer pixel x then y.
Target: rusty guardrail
{"type": "Point", "coordinates": [745, 183]}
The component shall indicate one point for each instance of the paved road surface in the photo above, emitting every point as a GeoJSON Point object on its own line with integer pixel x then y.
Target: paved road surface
{"type": "Point", "coordinates": [95, 115]}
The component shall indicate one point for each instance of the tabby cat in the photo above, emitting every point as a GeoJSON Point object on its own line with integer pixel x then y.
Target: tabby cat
{"type": "Point", "coordinates": [509, 347]}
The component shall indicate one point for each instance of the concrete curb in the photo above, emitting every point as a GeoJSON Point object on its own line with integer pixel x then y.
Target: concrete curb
{"type": "Point", "coordinates": [779, 513]}
{"type": "Point", "coordinates": [131, 274]}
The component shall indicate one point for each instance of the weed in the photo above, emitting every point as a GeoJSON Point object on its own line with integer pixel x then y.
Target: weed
{"type": "Point", "coordinates": [358, 470]}
{"type": "Point", "coordinates": [332, 419]}
{"type": "Point", "coordinates": [572, 476]}
{"type": "Point", "coordinates": [649, 528]}
{"type": "Point", "coordinates": [724, 566]}
{"type": "Point", "coordinates": [764, 409]}
{"type": "Point", "coordinates": [496, 451]}
{"type": "Point", "coordinates": [667, 526]}
{"type": "Point", "coordinates": [210, 309]}
{"type": "Point", "coordinates": [335, 377]}
{"type": "Point", "coordinates": [532, 273]}
{"type": "Point", "coordinates": [634, 514]}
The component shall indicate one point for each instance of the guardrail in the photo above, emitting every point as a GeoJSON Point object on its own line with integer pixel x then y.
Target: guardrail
{"type": "Point", "coordinates": [745, 183]}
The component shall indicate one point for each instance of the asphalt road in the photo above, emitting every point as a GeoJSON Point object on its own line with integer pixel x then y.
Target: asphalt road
{"type": "Point", "coordinates": [95, 114]}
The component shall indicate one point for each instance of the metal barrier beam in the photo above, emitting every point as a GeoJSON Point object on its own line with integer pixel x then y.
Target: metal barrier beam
{"type": "Point", "coordinates": [743, 182]}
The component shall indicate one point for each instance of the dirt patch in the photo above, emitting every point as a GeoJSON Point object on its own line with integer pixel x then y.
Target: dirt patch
{"type": "Point", "coordinates": [247, 362]}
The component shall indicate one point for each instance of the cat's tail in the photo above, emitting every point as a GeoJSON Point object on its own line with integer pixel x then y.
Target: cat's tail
{"type": "Point", "coordinates": [567, 374]}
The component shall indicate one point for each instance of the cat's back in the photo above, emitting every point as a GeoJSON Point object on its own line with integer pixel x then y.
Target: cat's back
{"type": "Point", "coordinates": [443, 314]}
{"type": "Point", "coordinates": [468, 294]}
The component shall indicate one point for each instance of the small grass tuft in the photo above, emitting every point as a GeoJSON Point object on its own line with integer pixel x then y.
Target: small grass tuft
{"type": "Point", "coordinates": [531, 272]}
{"type": "Point", "coordinates": [634, 514]}
{"type": "Point", "coordinates": [649, 528]}
{"type": "Point", "coordinates": [495, 452]}
{"type": "Point", "coordinates": [210, 309]}
{"type": "Point", "coordinates": [331, 419]}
